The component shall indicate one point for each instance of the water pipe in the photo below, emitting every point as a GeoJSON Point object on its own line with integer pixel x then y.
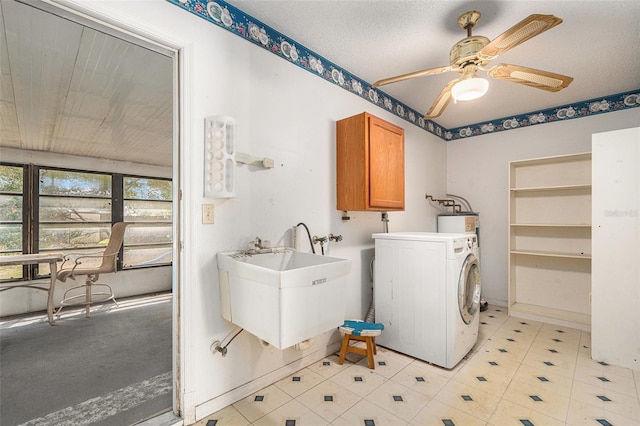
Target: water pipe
{"type": "Point", "coordinates": [308, 235]}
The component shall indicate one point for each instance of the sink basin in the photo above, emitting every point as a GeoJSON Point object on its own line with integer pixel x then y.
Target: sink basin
{"type": "Point", "coordinates": [284, 267]}
{"type": "Point", "coordinates": [283, 297]}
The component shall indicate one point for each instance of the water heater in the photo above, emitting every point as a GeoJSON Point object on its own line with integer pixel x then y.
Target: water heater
{"type": "Point", "coordinates": [463, 223]}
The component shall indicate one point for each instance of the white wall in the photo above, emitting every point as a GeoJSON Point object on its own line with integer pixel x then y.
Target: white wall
{"type": "Point", "coordinates": [124, 284]}
{"type": "Point", "coordinates": [287, 114]}
{"type": "Point", "coordinates": [477, 169]}
{"type": "Point", "coordinates": [616, 248]}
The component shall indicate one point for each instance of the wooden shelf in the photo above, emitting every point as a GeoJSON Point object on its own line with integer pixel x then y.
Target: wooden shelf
{"type": "Point", "coordinates": [554, 316]}
{"type": "Point", "coordinates": [551, 254]}
{"type": "Point", "coordinates": [552, 225]}
{"type": "Point", "coordinates": [550, 239]}
{"type": "Point", "coordinates": [553, 188]}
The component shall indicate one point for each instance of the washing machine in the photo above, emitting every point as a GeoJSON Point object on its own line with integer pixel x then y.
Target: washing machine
{"type": "Point", "coordinates": [427, 293]}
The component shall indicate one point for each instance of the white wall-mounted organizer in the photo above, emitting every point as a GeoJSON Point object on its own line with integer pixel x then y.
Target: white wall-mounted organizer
{"type": "Point", "coordinates": [219, 157]}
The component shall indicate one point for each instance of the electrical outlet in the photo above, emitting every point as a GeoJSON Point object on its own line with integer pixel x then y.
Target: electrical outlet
{"type": "Point", "coordinates": [207, 213]}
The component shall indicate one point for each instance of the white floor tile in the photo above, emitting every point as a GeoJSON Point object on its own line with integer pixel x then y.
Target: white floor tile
{"type": "Point", "coordinates": [551, 363]}
{"type": "Point", "coordinates": [557, 341]}
{"type": "Point", "coordinates": [484, 378]}
{"type": "Point", "coordinates": [585, 339]}
{"type": "Point", "coordinates": [470, 400]}
{"type": "Point", "coordinates": [585, 414]}
{"type": "Point", "coordinates": [300, 382]}
{"type": "Point", "coordinates": [435, 369]}
{"type": "Point", "coordinates": [557, 383]}
{"type": "Point", "coordinates": [365, 413]}
{"type": "Point", "coordinates": [228, 416]}
{"type": "Point", "coordinates": [538, 397]}
{"type": "Point", "coordinates": [292, 413]}
{"type": "Point", "coordinates": [387, 362]}
{"type": "Point", "coordinates": [604, 369]}
{"type": "Point", "coordinates": [419, 378]}
{"type": "Point", "coordinates": [608, 400]}
{"type": "Point", "coordinates": [262, 402]}
{"type": "Point", "coordinates": [438, 413]}
{"type": "Point", "coordinates": [611, 382]}
{"type": "Point", "coordinates": [510, 413]}
{"type": "Point", "coordinates": [400, 401]}
{"type": "Point", "coordinates": [520, 372]}
{"type": "Point", "coordinates": [328, 366]}
{"type": "Point", "coordinates": [513, 337]}
{"type": "Point", "coordinates": [490, 361]}
{"type": "Point", "coordinates": [502, 351]}
{"type": "Point", "coordinates": [566, 334]}
{"type": "Point", "coordinates": [359, 379]}
{"type": "Point", "coordinates": [329, 400]}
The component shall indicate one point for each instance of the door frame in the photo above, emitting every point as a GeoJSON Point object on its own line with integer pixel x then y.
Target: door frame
{"type": "Point", "coordinates": [106, 18]}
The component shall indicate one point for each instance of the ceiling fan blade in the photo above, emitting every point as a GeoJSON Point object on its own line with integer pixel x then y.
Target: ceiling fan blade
{"type": "Point", "coordinates": [441, 101]}
{"type": "Point", "coordinates": [544, 80]}
{"type": "Point", "coordinates": [423, 73]}
{"type": "Point", "coordinates": [519, 33]}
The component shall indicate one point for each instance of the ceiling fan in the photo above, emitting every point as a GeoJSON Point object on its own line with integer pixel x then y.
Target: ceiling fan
{"type": "Point", "coordinates": [473, 53]}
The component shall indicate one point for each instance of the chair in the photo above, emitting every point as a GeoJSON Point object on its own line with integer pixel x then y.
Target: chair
{"type": "Point", "coordinates": [108, 264]}
{"type": "Point", "coordinates": [363, 332]}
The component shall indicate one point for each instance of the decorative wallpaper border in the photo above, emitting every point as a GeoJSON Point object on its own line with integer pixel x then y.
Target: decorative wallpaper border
{"type": "Point", "coordinates": [236, 21]}
{"type": "Point", "coordinates": [562, 113]}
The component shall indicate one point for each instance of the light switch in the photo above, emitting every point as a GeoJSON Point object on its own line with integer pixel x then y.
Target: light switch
{"type": "Point", "coordinates": [207, 213]}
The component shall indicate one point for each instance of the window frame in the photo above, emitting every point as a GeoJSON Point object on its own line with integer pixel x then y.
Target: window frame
{"type": "Point", "coordinates": [31, 215]}
{"type": "Point", "coordinates": [25, 221]}
{"type": "Point", "coordinates": [122, 199]}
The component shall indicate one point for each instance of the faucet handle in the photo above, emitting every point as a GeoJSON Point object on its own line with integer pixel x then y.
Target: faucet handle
{"type": "Point", "coordinates": [335, 238]}
{"type": "Point", "coordinates": [320, 240]}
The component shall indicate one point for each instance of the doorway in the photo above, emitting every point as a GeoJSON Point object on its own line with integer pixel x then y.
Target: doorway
{"type": "Point", "coordinates": [65, 40]}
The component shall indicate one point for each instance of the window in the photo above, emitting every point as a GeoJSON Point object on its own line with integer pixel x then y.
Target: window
{"type": "Point", "coordinates": [147, 205]}
{"type": "Point", "coordinates": [11, 217]}
{"type": "Point", "coordinates": [72, 211]}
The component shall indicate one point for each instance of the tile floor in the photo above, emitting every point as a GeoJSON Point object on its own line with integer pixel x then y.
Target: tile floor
{"type": "Point", "coordinates": [520, 373]}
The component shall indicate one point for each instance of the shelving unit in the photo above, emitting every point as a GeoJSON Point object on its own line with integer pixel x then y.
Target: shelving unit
{"type": "Point", "coordinates": [550, 239]}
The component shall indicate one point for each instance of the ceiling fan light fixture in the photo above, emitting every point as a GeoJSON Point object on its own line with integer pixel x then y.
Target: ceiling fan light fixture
{"type": "Point", "coordinates": [469, 89]}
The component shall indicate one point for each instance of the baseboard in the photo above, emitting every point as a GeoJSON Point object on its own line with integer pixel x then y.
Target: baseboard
{"type": "Point", "coordinates": [496, 302]}
{"type": "Point", "coordinates": [166, 419]}
{"type": "Point", "coordinates": [218, 403]}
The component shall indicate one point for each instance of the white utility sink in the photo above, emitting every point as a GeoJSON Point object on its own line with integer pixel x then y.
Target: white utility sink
{"type": "Point", "coordinates": [282, 296]}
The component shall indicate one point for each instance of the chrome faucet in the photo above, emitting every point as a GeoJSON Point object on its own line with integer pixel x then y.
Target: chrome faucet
{"type": "Point", "coordinates": [320, 240]}
{"type": "Point", "coordinates": [258, 246]}
{"type": "Point", "coordinates": [335, 238]}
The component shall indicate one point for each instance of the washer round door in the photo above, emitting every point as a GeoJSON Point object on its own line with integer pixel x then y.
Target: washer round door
{"type": "Point", "coordinates": [469, 289]}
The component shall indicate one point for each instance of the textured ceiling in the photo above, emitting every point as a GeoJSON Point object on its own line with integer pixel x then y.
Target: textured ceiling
{"type": "Point", "coordinates": [598, 44]}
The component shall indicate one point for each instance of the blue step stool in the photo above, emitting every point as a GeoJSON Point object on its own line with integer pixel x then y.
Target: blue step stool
{"type": "Point", "coordinates": [363, 332]}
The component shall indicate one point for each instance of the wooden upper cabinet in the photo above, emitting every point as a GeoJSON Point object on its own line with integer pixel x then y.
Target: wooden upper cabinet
{"type": "Point", "coordinates": [370, 164]}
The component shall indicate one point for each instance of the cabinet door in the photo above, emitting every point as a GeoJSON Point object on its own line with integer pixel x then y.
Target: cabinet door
{"type": "Point", "coordinates": [386, 165]}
